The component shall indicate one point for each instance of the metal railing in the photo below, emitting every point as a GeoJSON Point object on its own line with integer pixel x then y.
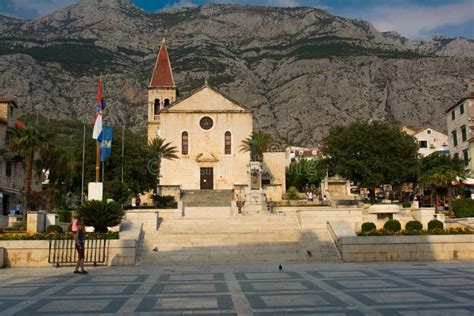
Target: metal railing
{"type": "Point", "coordinates": [63, 251]}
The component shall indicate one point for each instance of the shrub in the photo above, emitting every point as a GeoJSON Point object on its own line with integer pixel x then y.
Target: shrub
{"type": "Point", "coordinates": [392, 225]}
{"type": "Point", "coordinates": [435, 224]}
{"type": "Point", "coordinates": [101, 214]}
{"type": "Point", "coordinates": [406, 204]}
{"type": "Point", "coordinates": [292, 193]}
{"type": "Point", "coordinates": [164, 201]}
{"type": "Point", "coordinates": [64, 216]}
{"type": "Point", "coordinates": [21, 225]}
{"type": "Point", "coordinates": [414, 225]}
{"type": "Point", "coordinates": [463, 208]}
{"type": "Point", "coordinates": [54, 229]}
{"type": "Point", "coordinates": [368, 226]}
{"type": "Point", "coordinates": [46, 236]}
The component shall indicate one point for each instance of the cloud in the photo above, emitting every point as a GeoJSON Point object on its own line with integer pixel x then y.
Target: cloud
{"type": "Point", "coordinates": [416, 21]}
{"type": "Point", "coordinates": [275, 3]}
{"type": "Point", "coordinates": [32, 8]}
{"type": "Point", "coordinates": [178, 4]}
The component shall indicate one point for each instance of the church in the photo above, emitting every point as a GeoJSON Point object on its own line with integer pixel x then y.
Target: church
{"type": "Point", "coordinates": [207, 128]}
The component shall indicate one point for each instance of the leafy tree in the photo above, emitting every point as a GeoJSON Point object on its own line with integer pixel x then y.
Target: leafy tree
{"type": "Point", "coordinates": [101, 214]}
{"type": "Point", "coordinates": [371, 154]}
{"type": "Point", "coordinates": [305, 173]}
{"type": "Point", "coordinates": [439, 171]}
{"type": "Point", "coordinates": [159, 149]}
{"type": "Point", "coordinates": [117, 191]}
{"type": "Point", "coordinates": [67, 135]}
{"type": "Point", "coordinates": [26, 142]}
{"type": "Point", "coordinates": [262, 140]}
{"type": "Point", "coordinates": [59, 167]}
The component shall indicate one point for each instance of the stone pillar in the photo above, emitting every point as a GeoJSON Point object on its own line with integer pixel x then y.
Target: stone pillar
{"type": "Point", "coordinates": [35, 222]}
{"type": "Point", "coordinates": [95, 191]}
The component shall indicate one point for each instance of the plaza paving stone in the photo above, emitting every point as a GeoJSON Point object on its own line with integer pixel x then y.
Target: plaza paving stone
{"type": "Point", "coordinates": [306, 289]}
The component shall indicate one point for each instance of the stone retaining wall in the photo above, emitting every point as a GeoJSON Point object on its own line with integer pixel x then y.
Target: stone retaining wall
{"type": "Point", "coordinates": [34, 253]}
{"type": "Point", "coordinates": [403, 248]}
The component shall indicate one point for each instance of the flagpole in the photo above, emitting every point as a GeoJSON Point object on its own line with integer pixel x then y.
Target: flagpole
{"type": "Point", "coordinates": [97, 162]}
{"type": "Point", "coordinates": [97, 157]}
{"type": "Point", "coordinates": [83, 161]}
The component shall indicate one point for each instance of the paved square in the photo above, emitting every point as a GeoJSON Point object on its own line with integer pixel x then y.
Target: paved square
{"type": "Point", "coordinates": [324, 289]}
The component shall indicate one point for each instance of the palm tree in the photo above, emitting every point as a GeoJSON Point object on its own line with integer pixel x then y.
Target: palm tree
{"type": "Point", "coordinates": [26, 142]}
{"type": "Point", "coordinates": [58, 166]}
{"type": "Point", "coordinates": [262, 142]}
{"type": "Point", "coordinates": [441, 171]}
{"type": "Point", "coordinates": [158, 150]}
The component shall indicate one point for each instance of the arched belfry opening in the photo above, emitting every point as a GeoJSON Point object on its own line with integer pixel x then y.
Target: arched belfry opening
{"type": "Point", "coordinates": [156, 107]}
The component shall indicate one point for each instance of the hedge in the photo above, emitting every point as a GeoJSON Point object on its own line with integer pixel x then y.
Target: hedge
{"type": "Point", "coordinates": [436, 231]}
{"type": "Point", "coordinates": [392, 225]}
{"type": "Point", "coordinates": [435, 224]}
{"type": "Point", "coordinates": [368, 226]}
{"type": "Point", "coordinates": [463, 208]}
{"type": "Point", "coordinates": [48, 236]}
{"type": "Point", "coordinates": [414, 225]}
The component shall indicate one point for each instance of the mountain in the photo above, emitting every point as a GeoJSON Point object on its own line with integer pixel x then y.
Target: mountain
{"type": "Point", "coordinates": [301, 70]}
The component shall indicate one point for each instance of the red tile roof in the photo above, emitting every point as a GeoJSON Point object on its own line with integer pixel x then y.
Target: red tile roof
{"type": "Point", "coordinates": [162, 74]}
{"type": "Point", "coordinates": [18, 123]}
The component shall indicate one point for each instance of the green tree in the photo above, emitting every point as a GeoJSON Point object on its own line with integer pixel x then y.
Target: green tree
{"type": "Point", "coordinates": [26, 142]}
{"type": "Point", "coordinates": [160, 149]}
{"type": "Point", "coordinates": [117, 191]}
{"type": "Point", "coordinates": [59, 169]}
{"type": "Point", "coordinates": [439, 171]}
{"type": "Point", "coordinates": [67, 135]}
{"type": "Point", "coordinates": [262, 141]}
{"type": "Point", "coordinates": [305, 173]}
{"type": "Point", "coordinates": [371, 154]}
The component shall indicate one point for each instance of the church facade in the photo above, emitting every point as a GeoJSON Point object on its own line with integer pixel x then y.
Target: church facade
{"type": "Point", "coordinates": [207, 128]}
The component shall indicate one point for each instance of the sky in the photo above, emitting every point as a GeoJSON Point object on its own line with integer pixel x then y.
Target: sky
{"type": "Point", "coordinates": [415, 19]}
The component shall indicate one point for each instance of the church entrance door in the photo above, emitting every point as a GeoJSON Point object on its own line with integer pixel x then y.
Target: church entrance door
{"type": "Point", "coordinates": [207, 178]}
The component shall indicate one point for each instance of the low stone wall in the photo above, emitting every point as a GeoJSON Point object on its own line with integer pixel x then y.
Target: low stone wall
{"type": "Point", "coordinates": [172, 190]}
{"type": "Point", "coordinates": [34, 253]}
{"type": "Point", "coordinates": [2, 254]}
{"type": "Point", "coordinates": [274, 192]}
{"type": "Point", "coordinates": [406, 248]}
{"type": "Point", "coordinates": [311, 216]}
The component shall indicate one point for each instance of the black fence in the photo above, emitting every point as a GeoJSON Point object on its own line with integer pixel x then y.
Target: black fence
{"type": "Point", "coordinates": [63, 251]}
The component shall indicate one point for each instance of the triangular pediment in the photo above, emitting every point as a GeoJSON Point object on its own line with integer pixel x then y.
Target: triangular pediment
{"type": "Point", "coordinates": [207, 99]}
{"type": "Point", "coordinates": [206, 157]}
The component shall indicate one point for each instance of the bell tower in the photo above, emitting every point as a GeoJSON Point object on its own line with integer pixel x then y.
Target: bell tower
{"type": "Point", "coordinates": [161, 90]}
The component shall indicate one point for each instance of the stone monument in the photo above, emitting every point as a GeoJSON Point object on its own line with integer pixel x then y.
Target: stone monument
{"type": "Point", "coordinates": [255, 201]}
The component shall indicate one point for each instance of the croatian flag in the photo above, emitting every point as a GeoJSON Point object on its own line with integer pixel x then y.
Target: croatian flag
{"type": "Point", "coordinates": [99, 108]}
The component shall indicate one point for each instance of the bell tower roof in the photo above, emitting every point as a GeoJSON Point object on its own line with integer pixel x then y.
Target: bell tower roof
{"type": "Point", "coordinates": [162, 73]}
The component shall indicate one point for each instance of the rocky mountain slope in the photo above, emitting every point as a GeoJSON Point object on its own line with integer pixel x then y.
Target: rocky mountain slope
{"type": "Point", "coordinates": [301, 70]}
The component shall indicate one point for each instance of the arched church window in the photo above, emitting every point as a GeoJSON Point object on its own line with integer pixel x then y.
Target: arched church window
{"type": "Point", "coordinates": [228, 143]}
{"type": "Point", "coordinates": [184, 143]}
{"type": "Point", "coordinates": [167, 102]}
{"type": "Point", "coordinates": [156, 108]}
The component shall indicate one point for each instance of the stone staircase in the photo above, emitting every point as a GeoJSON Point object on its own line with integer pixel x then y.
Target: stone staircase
{"type": "Point", "coordinates": [272, 239]}
{"type": "Point", "coordinates": [201, 198]}
{"type": "Point", "coordinates": [207, 203]}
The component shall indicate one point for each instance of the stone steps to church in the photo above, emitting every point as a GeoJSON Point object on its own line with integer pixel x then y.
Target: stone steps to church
{"type": "Point", "coordinates": [239, 249]}
{"type": "Point", "coordinates": [236, 258]}
{"type": "Point", "coordinates": [239, 236]}
{"type": "Point", "coordinates": [207, 198]}
{"type": "Point", "coordinates": [207, 212]}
